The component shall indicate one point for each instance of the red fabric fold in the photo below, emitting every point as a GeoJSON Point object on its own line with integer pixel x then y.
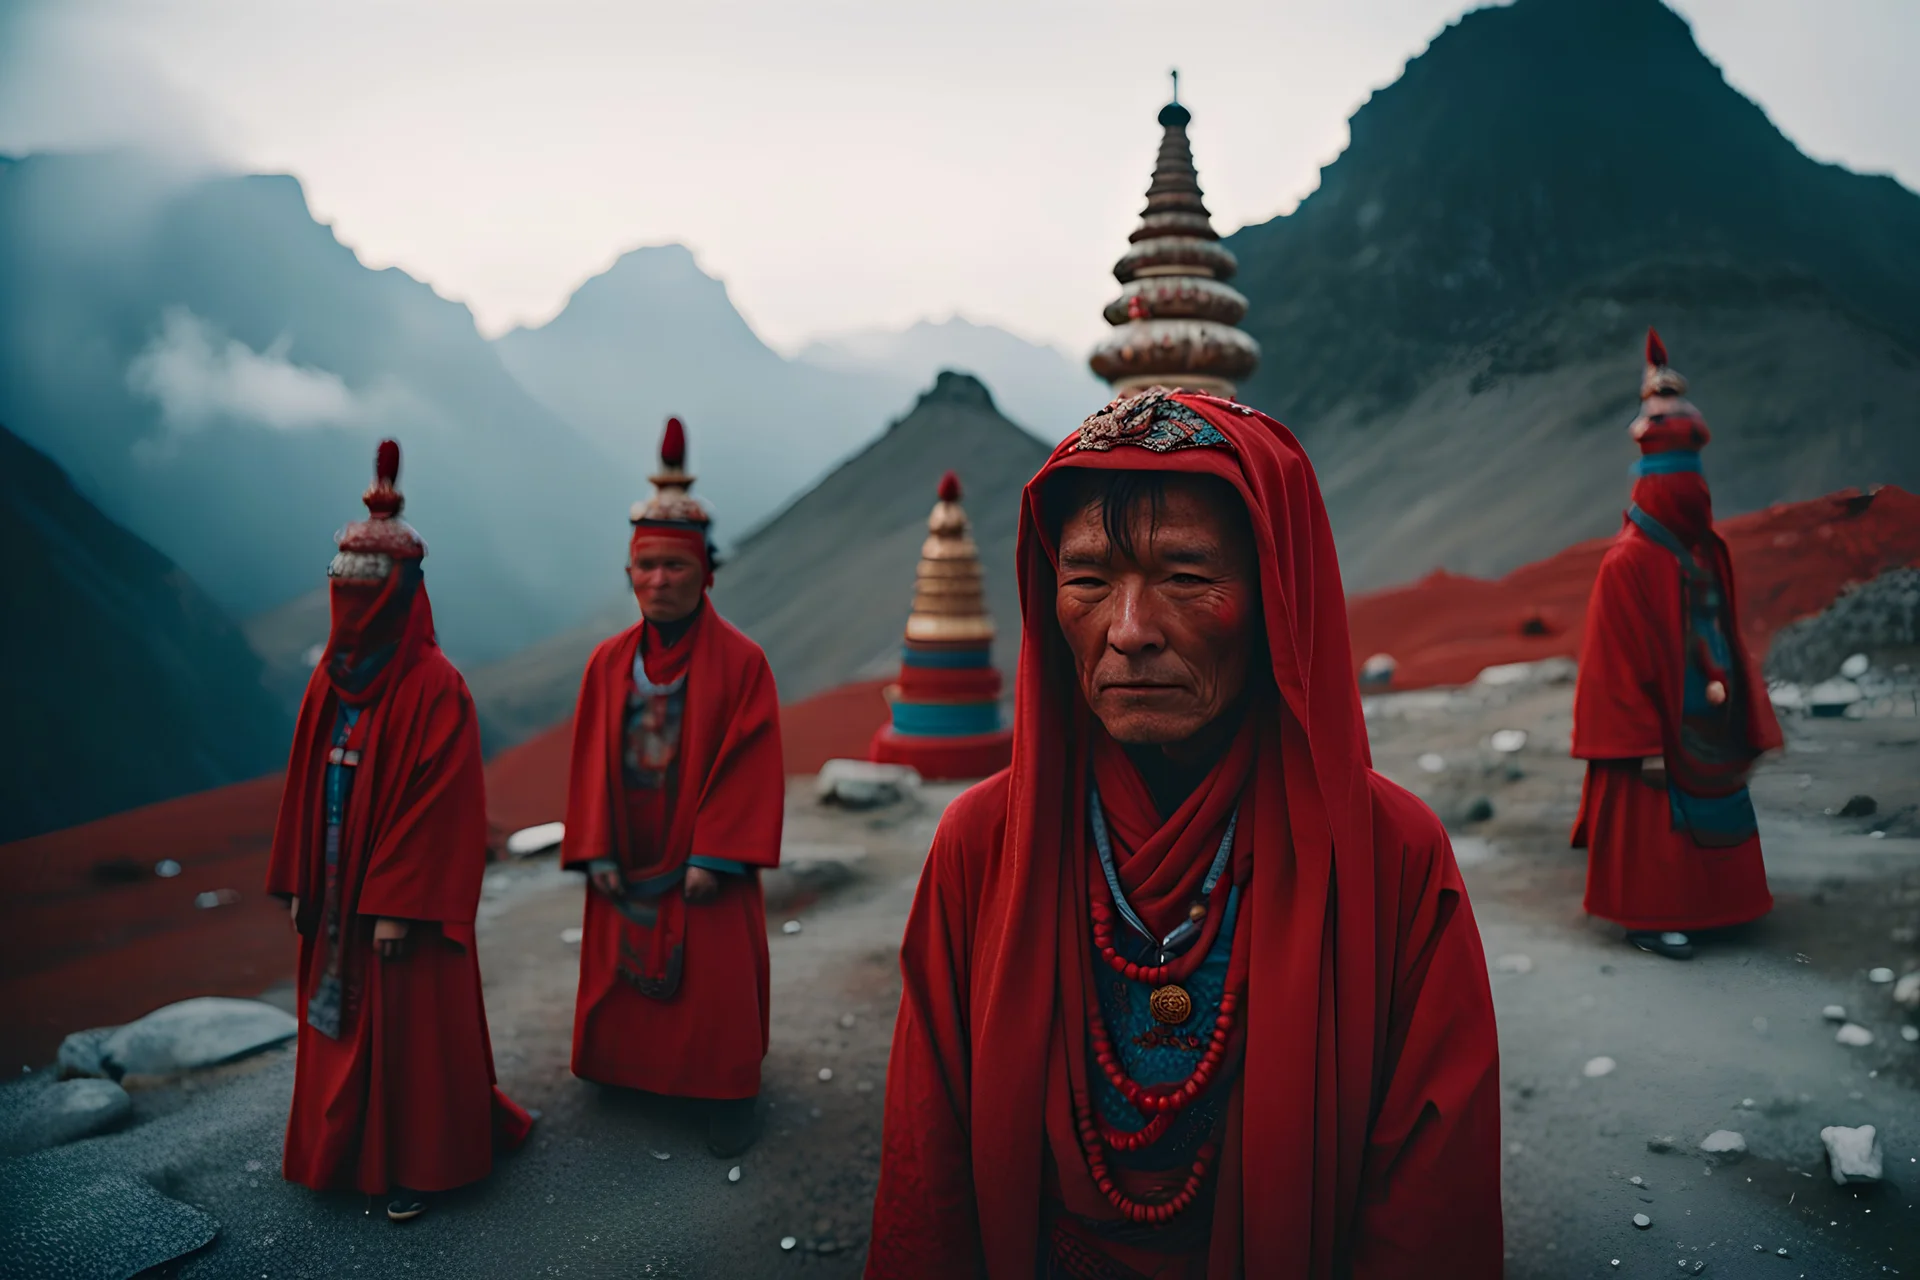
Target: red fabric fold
{"type": "Point", "coordinates": [1367, 1143]}
{"type": "Point", "coordinates": [728, 798]}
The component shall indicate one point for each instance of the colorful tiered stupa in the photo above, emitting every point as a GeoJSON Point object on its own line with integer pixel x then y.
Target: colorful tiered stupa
{"type": "Point", "coordinates": [1175, 319]}
{"type": "Point", "coordinates": [946, 719]}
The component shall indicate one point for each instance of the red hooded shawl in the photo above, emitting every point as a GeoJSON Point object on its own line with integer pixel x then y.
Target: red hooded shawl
{"type": "Point", "coordinates": [705, 1036]}
{"type": "Point", "coordinates": [1362, 1135]}
{"type": "Point", "coordinates": [405, 1094]}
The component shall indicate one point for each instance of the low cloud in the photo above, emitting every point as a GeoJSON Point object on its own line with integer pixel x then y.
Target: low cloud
{"type": "Point", "coordinates": [199, 378]}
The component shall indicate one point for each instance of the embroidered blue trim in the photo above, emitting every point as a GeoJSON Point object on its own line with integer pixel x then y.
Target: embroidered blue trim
{"type": "Point", "coordinates": [1666, 464]}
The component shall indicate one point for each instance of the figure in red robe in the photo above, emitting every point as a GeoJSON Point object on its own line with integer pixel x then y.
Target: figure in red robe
{"type": "Point", "coordinates": [674, 804]}
{"type": "Point", "coordinates": [1189, 989]}
{"type": "Point", "coordinates": [1671, 711]}
{"type": "Point", "coordinates": [379, 850]}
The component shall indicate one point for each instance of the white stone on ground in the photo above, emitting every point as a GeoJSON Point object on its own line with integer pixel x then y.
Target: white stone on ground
{"type": "Point", "coordinates": [1853, 1155]}
{"type": "Point", "coordinates": [1855, 666]}
{"type": "Point", "coordinates": [864, 784]}
{"type": "Point", "coordinates": [1880, 975]}
{"type": "Point", "coordinates": [1514, 962]}
{"type": "Point", "coordinates": [1431, 762]}
{"type": "Point", "coordinates": [1508, 741]}
{"type": "Point", "coordinates": [1724, 1145]}
{"type": "Point", "coordinates": [528, 841]}
{"type": "Point", "coordinates": [1907, 990]}
{"type": "Point", "coordinates": [1910, 1033]}
{"type": "Point", "coordinates": [63, 1113]}
{"type": "Point", "coordinates": [1597, 1067]}
{"type": "Point", "coordinates": [202, 1032]}
{"type": "Point", "coordinates": [1642, 1221]}
{"type": "Point", "coordinates": [1834, 1013]}
{"type": "Point", "coordinates": [1854, 1034]}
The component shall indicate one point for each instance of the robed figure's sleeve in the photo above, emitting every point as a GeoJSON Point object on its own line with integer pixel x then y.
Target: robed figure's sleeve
{"type": "Point", "coordinates": [1625, 658]}
{"type": "Point", "coordinates": [925, 1222]}
{"type": "Point", "coordinates": [1430, 1183]}
{"type": "Point", "coordinates": [743, 802]}
{"type": "Point", "coordinates": [430, 838]}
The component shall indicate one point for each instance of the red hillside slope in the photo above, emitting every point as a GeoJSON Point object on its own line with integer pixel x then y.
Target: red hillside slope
{"type": "Point", "coordinates": [1791, 560]}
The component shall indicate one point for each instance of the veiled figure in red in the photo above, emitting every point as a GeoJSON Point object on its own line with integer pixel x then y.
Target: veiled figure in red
{"type": "Point", "coordinates": [1189, 989]}
{"type": "Point", "coordinates": [674, 803]}
{"type": "Point", "coordinates": [379, 850]}
{"type": "Point", "coordinates": [1671, 711]}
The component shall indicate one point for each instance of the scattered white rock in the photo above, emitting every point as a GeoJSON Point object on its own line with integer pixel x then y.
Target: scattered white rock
{"type": "Point", "coordinates": [1853, 1155]}
{"type": "Point", "coordinates": [1377, 672]}
{"type": "Point", "coordinates": [166, 868]}
{"type": "Point", "coordinates": [1832, 697]}
{"type": "Point", "coordinates": [1854, 1034]}
{"type": "Point", "coordinates": [1880, 975]}
{"type": "Point", "coordinates": [572, 934]}
{"type": "Point", "coordinates": [1834, 1013]}
{"type": "Point", "coordinates": [1724, 1145]}
{"type": "Point", "coordinates": [1642, 1221]}
{"type": "Point", "coordinates": [1514, 962]}
{"type": "Point", "coordinates": [660, 1155]}
{"type": "Point", "coordinates": [1637, 1180]}
{"type": "Point", "coordinates": [216, 898]}
{"type": "Point", "coordinates": [1508, 741]}
{"type": "Point", "coordinates": [826, 1074]}
{"type": "Point", "coordinates": [733, 1174]}
{"type": "Point", "coordinates": [1855, 666]}
{"type": "Point", "coordinates": [847, 1020]}
{"type": "Point", "coordinates": [1546, 671]}
{"type": "Point", "coordinates": [788, 1242]}
{"type": "Point", "coordinates": [528, 842]}
{"type": "Point", "coordinates": [202, 1032]}
{"type": "Point", "coordinates": [80, 1053]}
{"type": "Point", "coordinates": [1910, 1033]}
{"type": "Point", "coordinates": [864, 784]}
{"type": "Point", "coordinates": [1907, 990]}
{"type": "Point", "coordinates": [1432, 762]}
{"type": "Point", "coordinates": [1597, 1067]}
{"type": "Point", "coordinates": [790, 928]}
{"type": "Point", "coordinates": [63, 1113]}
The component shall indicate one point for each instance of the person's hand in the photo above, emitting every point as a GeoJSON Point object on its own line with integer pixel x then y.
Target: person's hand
{"type": "Point", "coordinates": [390, 938]}
{"type": "Point", "coordinates": [607, 881]}
{"type": "Point", "coordinates": [293, 911]}
{"type": "Point", "coordinates": [700, 884]}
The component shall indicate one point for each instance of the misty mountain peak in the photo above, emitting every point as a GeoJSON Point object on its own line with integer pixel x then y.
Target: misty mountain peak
{"type": "Point", "coordinates": [951, 386]}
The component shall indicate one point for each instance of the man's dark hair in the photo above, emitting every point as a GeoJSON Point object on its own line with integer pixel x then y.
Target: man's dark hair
{"type": "Point", "coordinates": [1120, 496]}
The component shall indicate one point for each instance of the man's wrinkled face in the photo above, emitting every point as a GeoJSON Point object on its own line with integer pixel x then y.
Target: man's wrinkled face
{"type": "Point", "coordinates": [1162, 639]}
{"type": "Point", "coordinates": [667, 579]}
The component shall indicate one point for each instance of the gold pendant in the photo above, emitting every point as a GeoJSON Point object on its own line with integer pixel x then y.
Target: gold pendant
{"type": "Point", "coordinates": [1170, 1005]}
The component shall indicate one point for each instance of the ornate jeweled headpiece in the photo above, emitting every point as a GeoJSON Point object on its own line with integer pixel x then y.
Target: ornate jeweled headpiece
{"type": "Point", "coordinates": [1667, 420]}
{"type": "Point", "coordinates": [1150, 419]}
{"type": "Point", "coordinates": [671, 504]}
{"type": "Point", "coordinates": [383, 532]}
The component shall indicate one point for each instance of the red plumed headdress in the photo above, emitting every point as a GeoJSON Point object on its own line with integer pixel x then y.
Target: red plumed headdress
{"type": "Point", "coordinates": [383, 532]}
{"type": "Point", "coordinates": [671, 504]}
{"type": "Point", "coordinates": [1668, 421]}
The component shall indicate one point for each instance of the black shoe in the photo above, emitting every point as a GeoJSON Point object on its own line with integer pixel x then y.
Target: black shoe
{"type": "Point", "coordinates": [732, 1126]}
{"type": "Point", "coordinates": [405, 1205]}
{"type": "Point", "coordinates": [1674, 946]}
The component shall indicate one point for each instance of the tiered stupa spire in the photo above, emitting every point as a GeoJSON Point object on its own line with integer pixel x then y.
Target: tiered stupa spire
{"type": "Point", "coordinates": [1175, 319]}
{"type": "Point", "coordinates": [946, 707]}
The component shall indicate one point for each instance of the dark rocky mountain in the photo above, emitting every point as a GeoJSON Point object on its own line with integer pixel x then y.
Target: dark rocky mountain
{"type": "Point", "coordinates": [1452, 321]}
{"type": "Point", "coordinates": [213, 367]}
{"type": "Point", "coordinates": [825, 585]}
{"type": "Point", "coordinates": [123, 682]}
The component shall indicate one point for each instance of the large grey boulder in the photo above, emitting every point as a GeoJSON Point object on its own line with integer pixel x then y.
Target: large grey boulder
{"type": "Point", "coordinates": [201, 1032]}
{"type": "Point", "coordinates": [61, 1113]}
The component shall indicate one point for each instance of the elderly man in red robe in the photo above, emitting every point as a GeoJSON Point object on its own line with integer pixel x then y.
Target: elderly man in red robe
{"type": "Point", "coordinates": [1670, 712]}
{"type": "Point", "coordinates": [379, 850]}
{"type": "Point", "coordinates": [1189, 990]}
{"type": "Point", "coordinates": [674, 804]}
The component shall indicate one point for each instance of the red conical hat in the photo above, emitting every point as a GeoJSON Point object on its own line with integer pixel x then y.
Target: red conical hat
{"type": "Point", "coordinates": [671, 504]}
{"type": "Point", "coordinates": [383, 532]}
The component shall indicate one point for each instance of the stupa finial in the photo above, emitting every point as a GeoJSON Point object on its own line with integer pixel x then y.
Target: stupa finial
{"type": "Point", "coordinates": [1175, 320]}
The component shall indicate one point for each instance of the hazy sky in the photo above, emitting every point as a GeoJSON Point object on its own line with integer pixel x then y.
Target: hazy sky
{"type": "Point", "coordinates": [840, 165]}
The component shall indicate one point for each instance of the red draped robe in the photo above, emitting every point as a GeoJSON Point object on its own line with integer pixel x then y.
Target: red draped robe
{"type": "Point", "coordinates": [724, 800]}
{"type": "Point", "coordinates": [1361, 1134]}
{"type": "Point", "coordinates": [1641, 873]}
{"type": "Point", "coordinates": [405, 1096]}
